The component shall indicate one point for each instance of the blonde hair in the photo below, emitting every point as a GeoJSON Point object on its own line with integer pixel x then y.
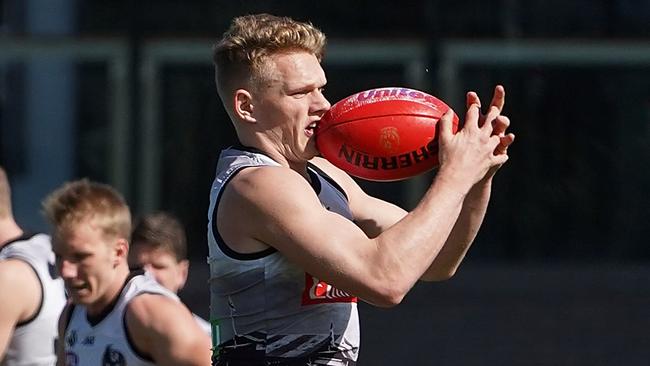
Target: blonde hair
{"type": "Point", "coordinates": [239, 57]}
{"type": "Point", "coordinates": [5, 196]}
{"type": "Point", "coordinates": [81, 200]}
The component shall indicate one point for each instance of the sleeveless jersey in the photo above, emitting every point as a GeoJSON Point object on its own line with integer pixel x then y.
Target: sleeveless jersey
{"type": "Point", "coordinates": [203, 324]}
{"type": "Point", "coordinates": [32, 342]}
{"type": "Point", "coordinates": [266, 310]}
{"type": "Point", "coordinates": [107, 343]}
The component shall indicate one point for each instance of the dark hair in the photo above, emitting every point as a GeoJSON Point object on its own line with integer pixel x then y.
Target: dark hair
{"type": "Point", "coordinates": [161, 230]}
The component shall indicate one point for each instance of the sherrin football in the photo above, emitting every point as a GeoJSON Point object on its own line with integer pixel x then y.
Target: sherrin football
{"type": "Point", "coordinates": [383, 134]}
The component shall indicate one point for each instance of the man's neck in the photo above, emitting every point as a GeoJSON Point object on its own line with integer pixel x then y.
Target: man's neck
{"type": "Point", "coordinates": [273, 152]}
{"type": "Point", "coordinates": [9, 230]}
{"type": "Point", "coordinates": [110, 297]}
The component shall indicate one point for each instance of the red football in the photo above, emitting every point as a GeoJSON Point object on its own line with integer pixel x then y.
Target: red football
{"type": "Point", "coordinates": [383, 134]}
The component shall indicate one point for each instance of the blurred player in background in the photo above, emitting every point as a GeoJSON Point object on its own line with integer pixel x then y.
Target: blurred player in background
{"type": "Point", "coordinates": [159, 245]}
{"type": "Point", "coordinates": [293, 240]}
{"type": "Point", "coordinates": [116, 317]}
{"type": "Point", "coordinates": [31, 293]}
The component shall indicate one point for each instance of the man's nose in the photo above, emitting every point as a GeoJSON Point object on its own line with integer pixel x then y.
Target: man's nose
{"type": "Point", "coordinates": [67, 269]}
{"type": "Point", "coordinates": [322, 105]}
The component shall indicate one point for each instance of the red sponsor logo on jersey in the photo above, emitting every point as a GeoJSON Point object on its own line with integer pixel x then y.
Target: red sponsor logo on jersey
{"type": "Point", "coordinates": [319, 292]}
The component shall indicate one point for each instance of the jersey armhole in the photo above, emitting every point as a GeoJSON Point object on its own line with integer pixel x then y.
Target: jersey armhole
{"type": "Point", "coordinates": [40, 304]}
{"type": "Point", "coordinates": [129, 339]}
{"type": "Point", "coordinates": [329, 179]}
{"type": "Point", "coordinates": [67, 313]}
{"type": "Point", "coordinates": [228, 251]}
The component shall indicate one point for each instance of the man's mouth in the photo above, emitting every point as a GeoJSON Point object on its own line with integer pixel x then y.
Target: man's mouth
{"type": "Point", "coordinates": [76, 287]}
{"type": "Point", "coordinates": [309, 130]}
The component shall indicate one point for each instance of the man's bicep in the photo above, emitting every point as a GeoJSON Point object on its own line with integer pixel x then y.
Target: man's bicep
{"type": "Point", "coordinates": [13, 280]}
{"type": "Point", "coordinates": [322, 243]}
{"type": "Point", "coordinates": [6, 329]}
{"type": "Point", "coordinates": [165, 329]}
{"type": "Point", "coordinates": [281, 210]}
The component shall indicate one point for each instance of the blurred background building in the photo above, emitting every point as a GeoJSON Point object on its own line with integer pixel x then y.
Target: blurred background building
{"type": "Point", "coordinates": [122, 92]}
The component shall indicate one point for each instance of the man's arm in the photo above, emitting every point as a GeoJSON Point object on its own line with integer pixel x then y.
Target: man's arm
{"type": "Point", "coordinates": [375, 216]}
{"type": "Point", "coordinates": [276, 207]}
{"type": "Point", "coordinates": [475, 206]}
{"type": "Point", "coordinates": [165, 329]}
{"type": "Point", "coordinates": [462, 235]}
{"type": "Point", "coordinates": [18, 279]}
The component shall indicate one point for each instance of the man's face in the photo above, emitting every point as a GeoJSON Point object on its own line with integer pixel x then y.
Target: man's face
{"type": "Point", "coordinates": [162, 264]}
{"type": "Point", "coordinates": [291, 103]}
{"type": "Point", "coordinates": [87, 261]}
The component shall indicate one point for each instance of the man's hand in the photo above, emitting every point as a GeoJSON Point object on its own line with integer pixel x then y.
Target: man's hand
{"type": "Point", "coordinates": [500, 123]}
{"type": "Point", "coordinates": [467, 156]}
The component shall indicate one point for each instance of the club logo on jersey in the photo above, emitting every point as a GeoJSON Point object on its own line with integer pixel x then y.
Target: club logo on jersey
{"type": "Point", "coordinates": [113, 357]}
{"type": "Point", "coordinates": [71, 359]}
{"type": "Point", "coordinates": [71, 339]}
{"type": "Point", "coordinates": [319, 292]}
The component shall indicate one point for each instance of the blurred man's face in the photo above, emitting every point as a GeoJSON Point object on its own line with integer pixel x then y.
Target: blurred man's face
{"type": "Point", "coordinates": [87, 261]}
{"type": "Point", "coordinates": [162, 264]}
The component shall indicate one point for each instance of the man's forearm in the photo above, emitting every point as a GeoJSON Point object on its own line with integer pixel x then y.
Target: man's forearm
{"type": "Point", "coordinates": [463, 233]}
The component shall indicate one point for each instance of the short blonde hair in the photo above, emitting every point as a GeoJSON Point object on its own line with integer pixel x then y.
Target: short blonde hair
{"type": "Point", "coordinates": [82, 200]}
{"type": "Point", "coordinates": [239, 57]}
{"type": "Point", "coordinates": [5, 196]}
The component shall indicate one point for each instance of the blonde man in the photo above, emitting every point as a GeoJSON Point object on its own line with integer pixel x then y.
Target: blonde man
{"type": "Point", "coordinates": [116, 317]}
{"type": "Point", "coordinates": [294, 241]}
{"type": "Point", "coordinates": [159, 245]}
{"type": "Point", "coordinates": [31, 293]}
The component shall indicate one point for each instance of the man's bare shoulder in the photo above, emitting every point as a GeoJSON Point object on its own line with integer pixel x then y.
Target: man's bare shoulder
{"type": "Point", "coordinates": [152, 314]}
{"type": "Point", "coordinates": [16, 274]}
{"type": "Point", "coordinates": [257, 185]}
{"type": "Point", "coordinates": [19, 279]}
{"type": "Point", "coordinates": [150, 306]}
{"type": "Point", "coordinates": [153, 320]}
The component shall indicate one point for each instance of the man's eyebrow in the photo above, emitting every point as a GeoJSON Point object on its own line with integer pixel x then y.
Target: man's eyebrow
{"type": "Point", "coordinates": [305, 86]}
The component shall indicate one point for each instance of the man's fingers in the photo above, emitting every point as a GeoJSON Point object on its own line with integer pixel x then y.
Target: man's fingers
{"type": "Point", "coordinates": [500, 159]}
{"type": "Point", "coordinates": [508, 139]}
{"type": "Point", "coordinates": [472, 117]}
{"type": "Point", "coordinates": [445, 124]}
{"type": "Point", "coordinates": [472, 98]}
{"type": "Point", "coordinates": [490, 118]}
{"type": "Point", "coordinates": [504, 142]}
{"type": "Point", "coordinates": [499, 97]}
{"type": "Point", "coordinates": [500, 124]}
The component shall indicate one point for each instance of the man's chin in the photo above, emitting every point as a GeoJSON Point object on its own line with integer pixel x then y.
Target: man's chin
{"type": "Point", "coordinates": [80, 298]}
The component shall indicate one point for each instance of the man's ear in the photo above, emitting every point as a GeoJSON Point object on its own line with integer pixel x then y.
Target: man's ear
{"type": "Point", "coordinates": [244, 105]}
{"type": "Point", "coordinates": [183, 267]}
{"type": "Point", "coordinates": [121, 251]}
